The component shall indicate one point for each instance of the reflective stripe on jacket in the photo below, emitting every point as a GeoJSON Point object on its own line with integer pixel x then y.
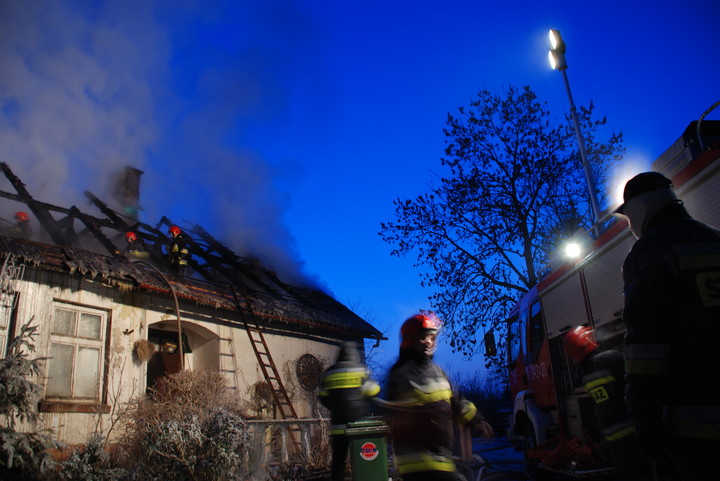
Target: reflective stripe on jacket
{"type": "Point", "coordinates": [698, 422]}
{"type": "Point", "coordinates": [345, 390]}
{"type": "Point", "coordinates": [603, 378]}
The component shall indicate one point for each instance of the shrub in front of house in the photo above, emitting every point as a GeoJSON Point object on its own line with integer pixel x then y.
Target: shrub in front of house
{"type": "Point", "coordinates": [23, 455]}
{"type": "Point", "coordinates": [90, 463]}
{"type": "Point", "coordinates": [190, 427]}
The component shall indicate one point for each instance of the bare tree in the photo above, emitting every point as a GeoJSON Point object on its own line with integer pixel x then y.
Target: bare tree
{"type": "Point", "coordinates": [513, 182]}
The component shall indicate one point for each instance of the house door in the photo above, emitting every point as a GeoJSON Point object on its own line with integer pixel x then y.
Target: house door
{"type": "Point", "coordinates": [166, 359]}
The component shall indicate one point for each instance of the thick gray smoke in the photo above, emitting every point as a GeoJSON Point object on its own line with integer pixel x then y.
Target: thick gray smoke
{"type": "Point", "coordinates": [184, 91]}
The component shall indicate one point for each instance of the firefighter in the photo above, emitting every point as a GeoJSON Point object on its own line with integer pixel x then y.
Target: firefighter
{"type": "Point", "coordinates": [22, 225]}
{"type": "Point", "coordinates": [134, 248]}
{"type": "Point", "coordinates": [672, 313]}
{"type": "Point", "coordinates": [346, 391]}
{"type": "Point", "coordinates": [178, 252]}
{"type": "Point", "coordinates": [422, 408]}
{"type": "Point", "coordinates": [602, 375]}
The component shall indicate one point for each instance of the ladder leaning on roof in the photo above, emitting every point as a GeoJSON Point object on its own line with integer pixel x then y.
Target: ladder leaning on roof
{"type": "Point", "coordinates": [267, 365]}
{"type": "Point", "coordinates": [232, 262]}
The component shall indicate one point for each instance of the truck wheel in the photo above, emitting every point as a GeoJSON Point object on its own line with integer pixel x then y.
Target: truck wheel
{"type": "Point", "coordinates": [529, 437]}
{"type": "Point", "coordinates": [529, 442]}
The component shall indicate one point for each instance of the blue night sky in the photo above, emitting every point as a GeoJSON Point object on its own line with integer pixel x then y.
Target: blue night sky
{"type": "Point", "coordinates": [287, 128]}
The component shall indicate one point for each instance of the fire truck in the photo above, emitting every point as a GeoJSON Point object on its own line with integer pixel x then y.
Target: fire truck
{"type": "Point", "coordinates": [548, 399]}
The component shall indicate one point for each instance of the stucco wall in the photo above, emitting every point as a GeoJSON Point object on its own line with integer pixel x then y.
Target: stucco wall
{"type": "Point", "coordinates": [217, 343]}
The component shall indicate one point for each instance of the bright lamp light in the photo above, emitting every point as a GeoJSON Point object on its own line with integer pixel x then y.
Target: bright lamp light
{"type": "Point", "coordinates": [556, 41]}
{"type": "Point", "coordinates": [572, 250]}
{"type": "Point", "coordinates": [552, 59]}
{"type": "Point", "coordinates": [557, 51]}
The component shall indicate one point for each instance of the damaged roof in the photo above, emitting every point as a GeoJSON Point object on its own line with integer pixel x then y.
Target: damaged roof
{"type": "Point", "coordinates": [219, 278]}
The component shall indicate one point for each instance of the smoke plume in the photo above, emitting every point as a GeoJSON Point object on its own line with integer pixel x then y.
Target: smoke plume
{"type": "Point", "coordinates": [184, 91]}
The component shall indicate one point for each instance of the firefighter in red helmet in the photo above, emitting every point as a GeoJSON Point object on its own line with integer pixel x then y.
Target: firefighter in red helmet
{"type": "Point", "coordinates": [422, 407]}
{"type": "Point", "coordinates": [579, 343]}
{"type": "Point", "coordinates": [178, 252]}
{"type": "Point", "coordinates": [22, 225]}
{"type": "Point", "coordinates": [672, 313]}
{"type": "Point", "coordinates": [135, 248]}
{"type": "Point", "coordinates": [601, 373]}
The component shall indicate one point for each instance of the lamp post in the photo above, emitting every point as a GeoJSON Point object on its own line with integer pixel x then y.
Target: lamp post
{"type": "Point", "coordinates": [557, 61]}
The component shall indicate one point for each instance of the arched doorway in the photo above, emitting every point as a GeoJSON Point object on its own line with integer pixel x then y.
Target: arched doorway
{"type": "Point", "coordinates": [199, 346]}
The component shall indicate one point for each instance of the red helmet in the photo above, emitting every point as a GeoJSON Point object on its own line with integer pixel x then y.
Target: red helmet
{"type": "Point", "coordinates": [174, 230]}
{"type": "Point", "coordinates": [22, 216]}
{"type": "Point", "coordinates": [130, 236]}
{"type": "Point", "coordinates": [413, 326]}
{"type": "Point", "coordinates": [579, 342]}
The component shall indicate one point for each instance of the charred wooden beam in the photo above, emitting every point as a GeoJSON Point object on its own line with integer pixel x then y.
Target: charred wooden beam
{"type": "Point", "coordinates": [38, 208]}
{"type": "Point", "coordinates": [50, 207]}
{"type": "Point", "coordinates": [67, 224]}
{"type": "Point", "coordinates": [95, 230]}
{"type": "Point", "coordinates": [118, 221]}
{"type": "Point", "coordinates": [151, 237]}
{"type": "Point", "coordinates": [214, 244]}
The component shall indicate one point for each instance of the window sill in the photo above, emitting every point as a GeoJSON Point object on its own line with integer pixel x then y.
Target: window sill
{"type": "Point", "coordinates": [72, 407]}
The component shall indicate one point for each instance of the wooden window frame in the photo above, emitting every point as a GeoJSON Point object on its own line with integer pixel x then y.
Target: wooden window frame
{"type": "Point", "coordinates": [70, 405]}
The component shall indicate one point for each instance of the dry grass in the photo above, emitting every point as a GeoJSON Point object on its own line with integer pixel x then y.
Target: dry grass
{"type": "Point", "coordinates": [143, 350]}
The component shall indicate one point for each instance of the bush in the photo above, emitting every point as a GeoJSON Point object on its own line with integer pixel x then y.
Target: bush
{"type": "Point", "coordinates": [23, 456]}
{"type": "Point", "coordinates": [190, 427]}
{"type": "Point", "coordinates": [226, 432]}
{"type": "Point", "coordinates": [91, 463]}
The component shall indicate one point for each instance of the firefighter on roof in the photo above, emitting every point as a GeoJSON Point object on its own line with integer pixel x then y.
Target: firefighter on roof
{"type": "Point", "coordinates": [178, 251]}
{"type": "Point", "coordinates": [346, 391]}
{"type": "Point", "coordinates": [134, 248]}
{"type": "Point", "coordinates": [602, 375]}
{"type": "Point", "coordinates": [672, 313]}
{"type": "Point", "coordinates": [422, 407]}
{"type": "Point", "coordinates": [22, 225]}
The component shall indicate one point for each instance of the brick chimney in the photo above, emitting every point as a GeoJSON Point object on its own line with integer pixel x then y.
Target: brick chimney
{"type": "Point", "coordinates": [126, 191]}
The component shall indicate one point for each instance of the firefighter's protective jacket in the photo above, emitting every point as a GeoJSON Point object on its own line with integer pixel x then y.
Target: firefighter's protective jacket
{"type": "Point", "coordinates": [21, 229]}
{"type": "Point", "coordinates": [423, 410]}
{"type": "Point", "coordinates": [602, 375]}
{"type": "Point", "coordinates": [346, 389]}
{"type": "Point", "coordinates": [136, 250]}
{"type": "Point", "coordinates": [179, 252]}
{"type": "Point", "coordinates": [672, 312]}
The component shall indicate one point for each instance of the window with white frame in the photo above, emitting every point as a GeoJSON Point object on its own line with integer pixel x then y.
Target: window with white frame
{"type": "Point", "coordinates": [77, 353]}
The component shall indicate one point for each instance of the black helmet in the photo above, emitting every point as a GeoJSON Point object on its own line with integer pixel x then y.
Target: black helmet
{"type": "Point", "coordinates": [642, 183]}
{"type": "Point", "coordinates": [349, 353]}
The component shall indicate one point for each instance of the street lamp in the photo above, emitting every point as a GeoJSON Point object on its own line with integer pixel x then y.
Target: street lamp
{"type": "Point", "coordinates": [557, 62]}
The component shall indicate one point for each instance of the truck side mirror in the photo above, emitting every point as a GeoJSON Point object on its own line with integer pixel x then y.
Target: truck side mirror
{"type": "Point", "coordinates": [490, 346]}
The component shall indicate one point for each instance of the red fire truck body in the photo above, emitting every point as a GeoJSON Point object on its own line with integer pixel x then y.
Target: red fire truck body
{"type": "Point", "coordinates": [547, 398]}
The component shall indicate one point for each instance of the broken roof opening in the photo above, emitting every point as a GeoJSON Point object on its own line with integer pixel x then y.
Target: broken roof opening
{"type": "Point", "coordinates": [216, 275]}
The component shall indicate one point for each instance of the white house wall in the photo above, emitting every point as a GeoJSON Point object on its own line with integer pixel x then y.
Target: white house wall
{"type": "Point", "coordinates": [131, 314]}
